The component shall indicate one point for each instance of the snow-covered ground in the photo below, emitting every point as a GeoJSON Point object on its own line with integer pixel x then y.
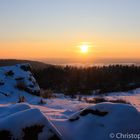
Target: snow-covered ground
{"type": "Point", "coordinates": [62, 117]}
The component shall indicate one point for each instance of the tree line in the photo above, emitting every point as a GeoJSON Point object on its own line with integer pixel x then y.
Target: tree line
{"type": "Point", "coordinates": [84, 80]}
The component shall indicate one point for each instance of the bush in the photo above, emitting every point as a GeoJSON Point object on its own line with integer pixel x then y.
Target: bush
{"type": "Point", "coordinates": [42, 102]}
{"type": "Point", "coordinates": [47, 94]}
{"type": "Point", "coordinates": [97, 100]}
{"type": "Point", "coordinates": [21, 99]}
{"type": "Point", "coordinates": [119, 101]}
{"type": "Point", "coordinates": [79, 98]}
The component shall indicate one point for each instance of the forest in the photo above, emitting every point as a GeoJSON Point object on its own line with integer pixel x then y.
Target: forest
{"type": "Point", "coordinates": [72, 80]}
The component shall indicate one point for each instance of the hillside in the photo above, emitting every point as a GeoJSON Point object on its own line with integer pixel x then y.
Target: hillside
{"type": "Point", "coordinates": [34, 64]}
{"type": "Point", "coordinates": [25, 116]}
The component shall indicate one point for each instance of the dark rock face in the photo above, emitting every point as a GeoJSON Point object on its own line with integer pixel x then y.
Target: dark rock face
{"type": "Point", "coordinates": [74, 119]}
{"type": "Point", "coordinates": [9, 73]}
{"type": "Point", "coordinates": [54, 137]}
{"type": "Point", "coordinates": [34, 92]}
{"type": "Point", "coordinates": [85, 112]}
{"type": "Point", "coordinates": [5, 135]}
{"type": "Point", "coordinates": [26, 67]}
{"type": "Point", "coordinates": [1, 83]}
{"type": "Point", "coordinates": [21, 85]}
{"type": "Point", "coordinates": [93, 112]}
{"type": "Point", "coordinates": [19, 78]}
{"type": "Point", "coordinates": [31, 133]}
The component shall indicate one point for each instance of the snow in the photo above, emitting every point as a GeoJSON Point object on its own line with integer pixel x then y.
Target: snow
{"type": "Point", "coordinates": [61, 116]}
{"type": "Point", "coordinates": [11, 109]}
{"type": "Point", "coordinates": [21, 116]}
{"type": "Point", "coordinates": [118, 118]}
{"type": "Point", "coordinates": [10, 76]}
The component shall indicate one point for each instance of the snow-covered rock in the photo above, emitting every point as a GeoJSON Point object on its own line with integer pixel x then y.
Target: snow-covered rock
{"type": "Point", "coordinates": [99, 121]}
{"type": "Point", "coordinates": [32, 120]}
{"type": "Point", "coordinates": [24, 122]}
{"type": "Point", "coordinates": [17, 79]}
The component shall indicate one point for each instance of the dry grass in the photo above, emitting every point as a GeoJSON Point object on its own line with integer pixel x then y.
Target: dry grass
{"type": "Point", "coordinates": [42, 102]}
{"type": "Point", "coordinates": [21, 85]}
{"type": "Point", "coordinates": [47, 94]}
{"type": "Point", "coordinates": [97, 100]}
{"type": "Point", "coordinates": [21, 99]}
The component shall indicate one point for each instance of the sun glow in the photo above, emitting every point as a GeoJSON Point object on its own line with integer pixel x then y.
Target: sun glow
{"type": "Point", "coordinates": [84, 48]}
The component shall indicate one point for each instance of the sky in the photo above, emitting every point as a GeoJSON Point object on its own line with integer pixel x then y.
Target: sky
{"type": "Point", "coordinates": [53, 29]}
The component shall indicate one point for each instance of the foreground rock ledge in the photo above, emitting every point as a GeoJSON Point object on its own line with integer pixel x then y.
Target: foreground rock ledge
{"type": "Point", "coordinates": [98, 121]}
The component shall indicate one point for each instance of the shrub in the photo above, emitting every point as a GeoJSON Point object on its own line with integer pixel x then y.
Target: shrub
{"type": "Point", "coordinates": [47, 93]}
{"type": "Point", "coordinates": [97, 100]}
{"type": "Point", "coordinates": [85, 99]}
{"type": "Point", "coordinates": [119, 101]}
{"type": "Point", "coordinates": [79, 98]}
{"type": "Point", "coordinates": [21, 99]}
{"type": "Point", "coordinates": [73, 96]}
{"type": "Point", "coordinates": [42, 101]}
{"type": "Point", "coordinates": [21, 85]}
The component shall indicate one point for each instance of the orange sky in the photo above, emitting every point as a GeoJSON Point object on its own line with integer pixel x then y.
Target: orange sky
{"type": "Point", "coordinates": [101, 48]}
{"type": "Point", "coordinates": [52, 29]}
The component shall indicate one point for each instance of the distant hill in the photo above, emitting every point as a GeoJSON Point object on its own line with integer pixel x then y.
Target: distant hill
{"type": "Point", "coordinates": [34, 64]}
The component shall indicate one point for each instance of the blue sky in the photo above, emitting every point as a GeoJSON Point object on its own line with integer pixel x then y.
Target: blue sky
{"type": "Point", "coordinates": [107, 16]}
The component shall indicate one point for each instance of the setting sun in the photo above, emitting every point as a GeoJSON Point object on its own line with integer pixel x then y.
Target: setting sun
{"type": "Point", "coordinates": [84, 48]}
